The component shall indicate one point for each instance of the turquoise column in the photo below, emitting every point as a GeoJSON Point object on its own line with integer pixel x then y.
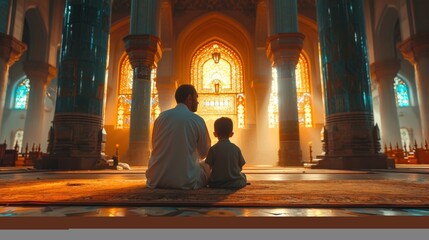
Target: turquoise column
{"type": "Point", "coordinates": [77, 124]}
{"type": "Point", "coordinates": [144, 50]}
{"type": "Point", "coordinates": [4, 15]}
{"type": "Point", "coordinates": [351, 141]}
{"type": "Point", "coordinates": [283, 49]}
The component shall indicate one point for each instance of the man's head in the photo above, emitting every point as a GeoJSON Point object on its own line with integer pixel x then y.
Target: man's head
{"type": "Point", "coordinates": [223, 127]}
{"type": "Point", "coordinates": [187, 95]}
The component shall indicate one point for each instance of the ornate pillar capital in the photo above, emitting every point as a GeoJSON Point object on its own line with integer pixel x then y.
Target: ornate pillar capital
{"type": "Point", "coordinates": [143, 49]}
{"type": "Point", "coordinates": [284, 48]}
{"type": "Point", "coordinates": [415, 47]}
{"type": "Point", "coordinates": [40, 71]}
{"type": "Point", "coordinates": [11, 49]}
{"type": "Point", "coordinates": [385, 70]}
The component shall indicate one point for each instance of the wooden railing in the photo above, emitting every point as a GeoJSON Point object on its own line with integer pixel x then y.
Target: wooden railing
{"type": "Point", "coordinates": [408, 155]}
{"type": "Point", "coordinates": [12, 157]}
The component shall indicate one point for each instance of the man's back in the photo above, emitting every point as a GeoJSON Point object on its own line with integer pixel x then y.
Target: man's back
{"type": "Point", "coordinates": [180, 139]}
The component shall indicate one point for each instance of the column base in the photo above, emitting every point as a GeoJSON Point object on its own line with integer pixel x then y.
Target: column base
{"type": "Point", "coordinates": [290, 154]}
{"type": "Point", "coordinates": [379, 161]}
{"type": "Point", "coordinates": [75, 142]}
{"type": "Point", "coordinates": [138, 154]}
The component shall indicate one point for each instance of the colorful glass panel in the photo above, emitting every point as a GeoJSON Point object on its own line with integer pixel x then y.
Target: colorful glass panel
{"type": "Point", "coordinates": [401, 92]}
{"type": "Point", "coordinates": [125, 95]}
{"type": "Point", "coordinates": [303, 92]}
{"type": "Point", "coordinates": [22, 92]}
{"type": "Point", "coordinates": [219, 85]}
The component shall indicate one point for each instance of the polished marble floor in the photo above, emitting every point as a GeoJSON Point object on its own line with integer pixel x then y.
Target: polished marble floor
{"type": "Point", "coordinates": [95, 211]}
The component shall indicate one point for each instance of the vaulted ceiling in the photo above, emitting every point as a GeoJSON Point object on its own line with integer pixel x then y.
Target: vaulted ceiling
{"type": "Point", "coordinates": [122, 8]}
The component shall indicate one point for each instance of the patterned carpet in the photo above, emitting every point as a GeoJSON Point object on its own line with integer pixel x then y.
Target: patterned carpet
{"type": "Point", "coordinates": [291, 193]}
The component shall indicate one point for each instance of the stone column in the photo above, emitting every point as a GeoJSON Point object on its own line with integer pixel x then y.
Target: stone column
{"type": "Point", "coordinates": [76, 134]}
{"type": "Point", "coordinates": [416, 50]}
{"type": "Point", "coordinates": [384, 73]}
{"type": "Point", "coordinates": [144, 52]}
{"type": "Point", "coordinates": [351, 141]}
{"type": "Point", "coordinates": [40, 75]}
{"type": "Point", "coordinates": [10, 51]}
{"type": "Point", "coordinates": [4, 15]}
{"type": "Point", "coordinates": [283, 50]}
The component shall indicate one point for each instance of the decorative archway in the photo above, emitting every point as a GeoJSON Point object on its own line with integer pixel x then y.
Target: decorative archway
{"type": "Point", "coordinates": [219, 83]}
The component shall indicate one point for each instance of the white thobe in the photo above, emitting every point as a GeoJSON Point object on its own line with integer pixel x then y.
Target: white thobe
{"type": "Point", "coordinates": [180, 141]}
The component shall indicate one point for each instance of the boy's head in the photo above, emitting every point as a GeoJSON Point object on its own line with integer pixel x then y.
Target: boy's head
{"type": "Point", "coordinates": [223, 127]}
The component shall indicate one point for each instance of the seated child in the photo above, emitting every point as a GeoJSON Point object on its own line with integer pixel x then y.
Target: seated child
{"type": "Point", "coordinates": [225, 158]}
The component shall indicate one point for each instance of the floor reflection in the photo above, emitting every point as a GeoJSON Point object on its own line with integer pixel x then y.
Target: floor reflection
{"type": "Point", "coordinates": [95, 211]}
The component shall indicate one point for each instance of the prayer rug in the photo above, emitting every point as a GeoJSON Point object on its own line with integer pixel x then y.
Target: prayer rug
{"type": "Point", "coordinates": [285, 193]}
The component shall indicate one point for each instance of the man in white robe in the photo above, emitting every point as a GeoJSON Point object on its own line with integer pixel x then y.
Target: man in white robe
{"type": "Point", "coordinates": [180, 142]}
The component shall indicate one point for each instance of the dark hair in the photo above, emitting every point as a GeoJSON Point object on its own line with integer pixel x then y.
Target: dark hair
{"type": "Point", "coordinates": [223, 127]}
{"type": "Point", "coordinates": [183, 91]}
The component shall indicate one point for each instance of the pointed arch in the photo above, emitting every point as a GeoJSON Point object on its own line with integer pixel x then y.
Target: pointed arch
{"type": "Point", "coordinates": [125, 91]}
{"type": "Point", "coordinates": [219, 85]}
{"type": "Point", "coordinates": [38, 35]}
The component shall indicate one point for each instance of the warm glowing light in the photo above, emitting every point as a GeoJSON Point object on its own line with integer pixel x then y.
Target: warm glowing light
{"type": "Point", "coordinates": [113, 212]}
{"type": "Point", "coordinates": [219, 84]}
{"type": "Point", "coordinates": [125, 94]}
{"type": "Point", "coordinates": [155, 110]}
{"type": "Point", "coordinates": [302, 77]}
{"type": "Point", "coordinates": [216, 53]}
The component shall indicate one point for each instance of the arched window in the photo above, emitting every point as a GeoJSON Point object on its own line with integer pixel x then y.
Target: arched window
{"type": "Point", "coordinates": [19, 135]}
{"type": "Point", "coordinates": [217, 74]}
{"type": "Point", "coordinates": [22, 91]}
{"type": "Point", "coordinates": [405, 136]}
{"type": "Point", "coordinates": [303, 94]}
{"type": "Point", "coordinates": [401, 92]}
{"type": "Point", "coordinates": [125, 91]}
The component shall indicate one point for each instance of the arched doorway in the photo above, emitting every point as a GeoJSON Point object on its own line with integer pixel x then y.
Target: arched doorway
{"type": "Point", "coordinates": [217, 74]}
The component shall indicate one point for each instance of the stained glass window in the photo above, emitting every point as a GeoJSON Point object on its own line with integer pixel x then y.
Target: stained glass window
{"type": "Point", "coordinates": [125, 94]}
{"type": "Point", "coordinates": [155, 110]}
{"type": "Point", "coordinates": [273, 104]}
{"type": "Point", "coordinates": [219, 85]}
{"type": "Point", "coordinates": [401, 92]}
{"type": "Point", "coordinates": [21, 94]}
{"type": "Point", "coordinates": [302, 77]}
